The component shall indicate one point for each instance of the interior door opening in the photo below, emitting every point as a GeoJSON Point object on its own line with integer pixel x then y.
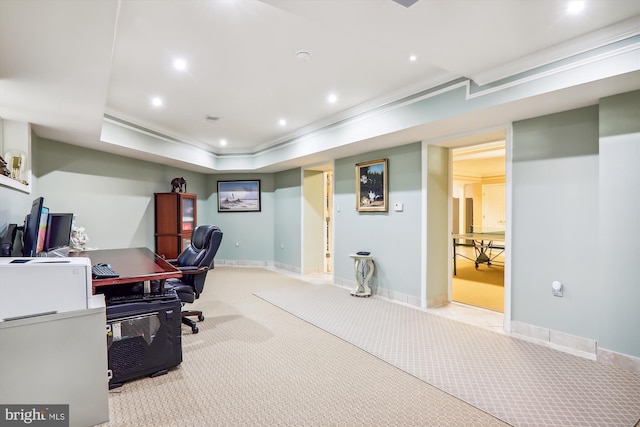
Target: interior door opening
{"type": "Point", "coordinates": [328, 225]}
{"type": "Point", "coordinates": [478, 225]}
{"type": "Point", "coordinates": [317, 230]}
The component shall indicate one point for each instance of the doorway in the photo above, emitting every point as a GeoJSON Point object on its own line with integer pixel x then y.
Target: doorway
{"type": "Point", "coordinates": [317, 232]}
{"type": "Point", "coordinates": [478, 221]}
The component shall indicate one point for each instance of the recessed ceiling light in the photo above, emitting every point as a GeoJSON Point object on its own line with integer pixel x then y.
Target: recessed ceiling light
{"type": "Point", "coordinates": [413, 58]}
{"type": "Point", "coordinates": [332, 98]}
{"type": "Point", "coordinates": [157, 101]}
{"type": "Point", "coordinates": [282, 122]}
{"type": "Point", "coordinates": [223, 142]}
{"type": "Point", "coordinates": [575, 6]}
{"type": "Point", "coordinates": [180, 64]}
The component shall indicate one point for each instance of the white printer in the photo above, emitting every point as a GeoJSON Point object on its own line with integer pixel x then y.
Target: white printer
{"type": "Point", "coordinates": [37, 286]}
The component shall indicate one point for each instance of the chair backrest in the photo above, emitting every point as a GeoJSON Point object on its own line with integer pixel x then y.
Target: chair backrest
{"type": "Point", "coordinates": [205, 241]}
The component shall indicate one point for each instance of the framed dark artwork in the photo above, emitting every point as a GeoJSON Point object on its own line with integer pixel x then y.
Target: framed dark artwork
{"type": "Point", "coordinates": [371, 186]}
{"type": "Point", "coordinates": [239, 196]}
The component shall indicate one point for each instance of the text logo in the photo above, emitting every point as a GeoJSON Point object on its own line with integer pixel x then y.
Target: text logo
{"type": "Point", "coordinates": [34, 415]}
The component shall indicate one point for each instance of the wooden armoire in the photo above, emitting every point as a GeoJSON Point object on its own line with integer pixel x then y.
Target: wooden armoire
{"type": "Point", "coordinates": [175, 220]}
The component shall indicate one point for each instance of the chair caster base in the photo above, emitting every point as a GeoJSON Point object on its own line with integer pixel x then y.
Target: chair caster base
{"type": "Point", "coordinates": [192, 323]}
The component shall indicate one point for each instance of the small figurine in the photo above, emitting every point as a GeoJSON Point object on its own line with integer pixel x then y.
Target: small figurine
{"type": "Point", "coordinates": [179, 184]}
{"type": "Point", "coordinates": [79, 238]}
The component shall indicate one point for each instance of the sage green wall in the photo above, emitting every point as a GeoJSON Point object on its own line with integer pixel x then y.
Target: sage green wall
{"type": "Point", "coordinates": [555, 221]}
{"type": "Point", "coordinates": [111, 195]}
{"type": "Point", "coordinates": [288, 219]}
{"type": "Point", "coordinates": [247, 235]}
{"type": "Point", "coordinates": [393, 238]}
{"type": "Point", "coordinates": [619, 221]}
{"type": "Point", "coordinates": [313, 220]}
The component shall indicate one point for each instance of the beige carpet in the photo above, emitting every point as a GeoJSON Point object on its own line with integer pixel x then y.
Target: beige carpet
{"type": "Point", "coordinates": [491, 275]}
{"type": "Point", "coordinates": [253, 364]}
{"type": "Point", "coordinates": [481, 287]}
{"type": "Point", "coordinates": [522, 383]}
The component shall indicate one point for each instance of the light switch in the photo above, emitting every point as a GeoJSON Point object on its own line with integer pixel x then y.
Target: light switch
{"type": "Point", "coordinates": [398, 207]}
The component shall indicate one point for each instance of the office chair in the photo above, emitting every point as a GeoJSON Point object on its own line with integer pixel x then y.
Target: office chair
{"type": "Point", "coordinates": [194, 263]}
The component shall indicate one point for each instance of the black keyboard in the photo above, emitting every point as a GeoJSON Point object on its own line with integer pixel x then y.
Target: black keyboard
{"type": "Point", "coordinates": [169, 294]}
{"type": "Point", "coordinates": [103, 271]}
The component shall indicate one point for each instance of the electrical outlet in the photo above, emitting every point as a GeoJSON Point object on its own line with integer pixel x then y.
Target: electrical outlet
{"type": "Point", "coordinates": [237, 244]}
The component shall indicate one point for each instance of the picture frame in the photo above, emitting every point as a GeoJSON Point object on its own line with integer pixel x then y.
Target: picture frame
{"type": "Point", "coordinates": [239, 196]}
{"type": "Point", "coordinates": [372, 186]}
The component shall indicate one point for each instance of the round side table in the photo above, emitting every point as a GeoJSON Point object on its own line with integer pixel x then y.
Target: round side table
{"type": "Point", "coordinates": [363, 267]}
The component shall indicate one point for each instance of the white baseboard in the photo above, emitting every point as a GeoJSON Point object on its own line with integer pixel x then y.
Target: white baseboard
{"type": "Point", "coordinates": [579, 346]}
{"type": "Point", "coordinates": [561, 341]}
{"type": "Point", "coordinates": [619, 360]}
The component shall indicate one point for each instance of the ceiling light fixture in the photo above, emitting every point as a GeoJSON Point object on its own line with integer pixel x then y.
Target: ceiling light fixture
{"type": "Point", "coordinates": [303, 55]}
{"type": "Point", "coordinates": [223, 142]}
{"type": "Point", "coordinates": [575, 6]}
{"type": "Point", "coordinates": [157, 101]}
{"type": "Point", "coordinates": [282, 122]}
{"type": "Point", "coordinates": [413, 58]}
{"type": "Point", "coordinates": [332, 98]}
{"type": "Point", "coordinates": [180, 64]}
{"type": "Point", "coordinates": [406, 3]}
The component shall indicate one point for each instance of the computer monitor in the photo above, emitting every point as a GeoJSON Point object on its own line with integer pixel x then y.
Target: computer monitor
{"type": "Point", "coordinates": [42, 229]}
{"type": "Point", "coordinates": [58, 231]}
{"type": "Point", "coordinates": [32, 228]}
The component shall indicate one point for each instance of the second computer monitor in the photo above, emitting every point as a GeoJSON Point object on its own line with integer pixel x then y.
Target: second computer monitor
{"type": "Point", "coordinates": [58, 230]}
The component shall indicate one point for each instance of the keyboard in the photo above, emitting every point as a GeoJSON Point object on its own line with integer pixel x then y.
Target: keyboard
{"type": "Point", "coordinates": [103, 271]}
{"type": "Point", "coordinates": [168, 294]}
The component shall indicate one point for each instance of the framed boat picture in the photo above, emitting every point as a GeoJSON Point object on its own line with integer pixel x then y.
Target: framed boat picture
{"type": "Point", "coordinates": [239, 196]}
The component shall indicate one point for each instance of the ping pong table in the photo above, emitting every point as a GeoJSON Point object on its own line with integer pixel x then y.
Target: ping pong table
{"type": "Point", "coordinates": [484, 246]}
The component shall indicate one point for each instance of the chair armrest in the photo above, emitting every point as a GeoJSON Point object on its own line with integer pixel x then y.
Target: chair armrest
{"type": "Point", "coordinates": [186, 270]}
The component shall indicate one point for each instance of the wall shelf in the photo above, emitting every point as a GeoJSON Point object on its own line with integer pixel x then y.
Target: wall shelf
{"type": "Point", "coordinates": [5, 181]}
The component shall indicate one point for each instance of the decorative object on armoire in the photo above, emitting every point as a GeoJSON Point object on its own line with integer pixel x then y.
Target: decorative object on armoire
{"type": "Point", "coordinates": [79, 238]}
{"type": "Point", "coordinates": [179, 184]}
{"type": "Point", "coordinates": [175, 220]}
{"type": "Point", "coordinates": [16, 162]}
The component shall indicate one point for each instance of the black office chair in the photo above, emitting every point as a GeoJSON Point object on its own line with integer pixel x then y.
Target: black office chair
{"type": "Point", "coordinates": [194, 263]}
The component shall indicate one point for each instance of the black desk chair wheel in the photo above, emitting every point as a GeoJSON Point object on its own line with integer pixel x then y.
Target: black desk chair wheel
{"type": "Point", "coordinates": [194, 263]}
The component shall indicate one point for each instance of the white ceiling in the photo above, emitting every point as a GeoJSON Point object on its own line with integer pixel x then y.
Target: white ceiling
{"type": "Point", "coordinates": [65, 64]}
{"type": "Point", "coordinates": [482, 161]}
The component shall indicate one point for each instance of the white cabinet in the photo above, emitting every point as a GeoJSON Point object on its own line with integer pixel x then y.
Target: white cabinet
{"type": "Point", "coordinates": [58, 359]}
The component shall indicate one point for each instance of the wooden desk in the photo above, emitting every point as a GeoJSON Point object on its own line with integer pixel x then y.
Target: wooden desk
{"type": "Point", "coordinates": [133, 264]}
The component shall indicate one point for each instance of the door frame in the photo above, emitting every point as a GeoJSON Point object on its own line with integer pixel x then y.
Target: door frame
{"type": "Point", "coordinates": [455, 141]}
